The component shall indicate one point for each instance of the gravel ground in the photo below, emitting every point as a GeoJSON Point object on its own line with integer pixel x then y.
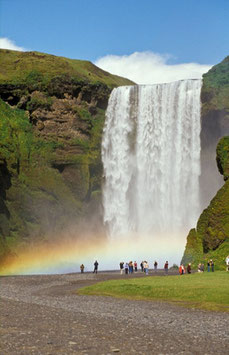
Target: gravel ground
{"type": "Point", "coordinates": [41, 314]}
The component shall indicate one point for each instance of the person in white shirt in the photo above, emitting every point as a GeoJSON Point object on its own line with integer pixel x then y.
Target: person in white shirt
{"type": "Point", "coordinates": [146, 267]}
{"type": "Point", "coordinates": [227, 263]}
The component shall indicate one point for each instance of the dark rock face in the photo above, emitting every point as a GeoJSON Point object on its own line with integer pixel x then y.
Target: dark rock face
{"type": "Point", "coordinates": [5, 184]}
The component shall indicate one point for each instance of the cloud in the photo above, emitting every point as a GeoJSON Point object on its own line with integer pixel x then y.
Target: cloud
{"type": "Point", "coordinates": [150, 68]}
{"type": "Point", "coordinates": [6, 43]}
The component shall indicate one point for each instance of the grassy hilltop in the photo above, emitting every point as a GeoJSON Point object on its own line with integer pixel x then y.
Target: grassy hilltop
{"type": "Point", "coordinates": [39, 69]}
{"type": "Point", "coordinates": [52, 111]}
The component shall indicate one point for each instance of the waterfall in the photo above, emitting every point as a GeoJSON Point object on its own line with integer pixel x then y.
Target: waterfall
{"type": "Point", "coordinates": [151, 158]}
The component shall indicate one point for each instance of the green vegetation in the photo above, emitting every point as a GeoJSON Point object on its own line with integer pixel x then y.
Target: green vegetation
{"type": "Point", "coordinates": [36, 70]}
{"type": "Point", "coordinates": [50, 142]}
{"type": "Point", "coordinates": [215, 90]}
{"type": "Point", "coordinates": [217, 76]}
{"type": "Point", "coordinates": [222, 157]}
{"type": "Point", "coordinates": [210, 238]}
{"type": "Point", "coordinates": [34, 198]}
{"type": "Point", "coordinates": [18, 144]}
{"type": "Point", "coordinates": [206, 291]}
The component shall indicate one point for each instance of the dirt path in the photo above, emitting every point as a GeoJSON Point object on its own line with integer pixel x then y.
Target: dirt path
{"type": "Point", "coordinates": [42, 315]}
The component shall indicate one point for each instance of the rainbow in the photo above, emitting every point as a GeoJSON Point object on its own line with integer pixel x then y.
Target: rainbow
{"type": "Point", "coordinates": [67, 255]}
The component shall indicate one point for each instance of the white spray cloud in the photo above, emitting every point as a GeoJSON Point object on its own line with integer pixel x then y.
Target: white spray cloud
{"type": "Point", "coordinates": [6, 43]}
{"type": "Point", "coordinates": [150, 68]}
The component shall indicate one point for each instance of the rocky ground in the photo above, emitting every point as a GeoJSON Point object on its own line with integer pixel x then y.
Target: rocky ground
{"type": "Point", "coordinates": [43, 314]}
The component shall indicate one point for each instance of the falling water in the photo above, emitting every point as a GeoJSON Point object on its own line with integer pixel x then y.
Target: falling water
{"type": "Point", "coordinates": [151, 158]}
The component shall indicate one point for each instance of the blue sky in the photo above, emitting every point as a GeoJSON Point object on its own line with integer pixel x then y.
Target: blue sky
{"type": "Point", "coordinates": [186, 30]}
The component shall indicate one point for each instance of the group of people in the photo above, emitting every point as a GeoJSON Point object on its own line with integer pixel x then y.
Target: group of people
{"type": "Point", "coordinates": [96, 265]}
{"type": "Point", "coordinates": [183, 270]}
{"type": "Point", "coordinates": [128, 268]}
{"type": "Point", "coordinates": [131, 267]}
{"type": "Point", "coordinates": [210, 266]}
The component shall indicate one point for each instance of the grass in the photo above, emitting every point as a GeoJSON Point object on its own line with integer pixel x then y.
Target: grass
{"type": "Point", "coordinates": [208, 291]}
{"type": "Point", "coordinates": [33, 69]}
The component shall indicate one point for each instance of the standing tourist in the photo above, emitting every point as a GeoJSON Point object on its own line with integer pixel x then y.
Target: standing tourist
{"type": "Point", "coordinates": [135, 266]}
{"type": "Point", "coordinates": [121, 267]}
{"type": "Point", "coordinates": [146, 267]}
{"type": "Point", "coordinates": [166, 267]}
{"type": "Point", "coordinates": [142, 267]}
{"type": "Point", "coordinates": [182, 269]}
{"type": "Point", "coordinates": [126, 268]}
{"type": "Point", "coordinates": [155, 266]}
{"type": "Point", "coordinates": [212, 265]}
{"type": "Point", "coordinates": [82, 268]}
{"type": "Point", "coordinates": [96, 264]}
{"type": "Point", "coordinates": [227, 263]}
{"type": "Point", "coordinates": [208, 264]}
{"type": "Point", "coordinates": [131, 267]}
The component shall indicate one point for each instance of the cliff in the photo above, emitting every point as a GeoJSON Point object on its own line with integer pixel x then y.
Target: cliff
{"type": "Point", "coordinates": [52, 113]}
{"type": "Point", "coordinates": [210, 238]}
{"type": "Point", "coordinates": [214, 125]}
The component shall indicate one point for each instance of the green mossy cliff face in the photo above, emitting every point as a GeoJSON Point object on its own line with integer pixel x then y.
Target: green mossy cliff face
{"type": "Point", "coordinates": [210, 238]}
{"type": "Point", "coordinates": [52, 112]}
{"type": "Point", "coordinates": [215, 125]}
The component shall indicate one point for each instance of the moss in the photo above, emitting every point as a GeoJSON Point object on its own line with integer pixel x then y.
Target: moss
{"type": "Point", "coordinates": [222, 154]}
{"type": "Point", "coordinates": [36, 70]}
{"type": "Point", "coordinates": [215, 90]}
{"type": "Point", "coordinates": [39, 100]}
{"type": "Point", "coordinates": [38, 199]}
{"type": "Point", "coordinates": [51, 151]}
{"type": "Point", "coordinates": [210, 238]}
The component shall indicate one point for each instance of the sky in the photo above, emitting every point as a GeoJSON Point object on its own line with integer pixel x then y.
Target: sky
{"type": "Point", "coordinates": [148, 41]}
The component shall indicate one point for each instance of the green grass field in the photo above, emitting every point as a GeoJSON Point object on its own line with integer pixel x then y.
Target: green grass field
{"type": "Point", "coordinates": [209, 291]}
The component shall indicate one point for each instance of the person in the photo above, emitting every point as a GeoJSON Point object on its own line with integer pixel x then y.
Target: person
{"type": "Point", "coordinates": [96, 264]}
{"type": "Point", "coordinates": [135, 266]}
{"type": "Point", "coordinates": [82, 268]}
{"type": "Point", "coordinates": [131, 268]}
{"type": "Point", "coordinates": [212, 265]}
{"type": "Point", "coordinates": [189, 268]}
{"type": "Point", "coordinates": [126, 268]}
{"type": "Point", "coordinates": [121, 267]}
{"type": "Point", "coordinates": [146, 267]}
{"type": "Point", "coordinates": [208, 264]}
{"type": "Point", "coordinates": [181, 269]}
{"type": "Point", "coordinates": [155, 266]}
{"type": "Point", "coordinates": [166, 267]}
{"type": "Point", "coordinates": [142, 267]}
{"type": "Point", "coordinates": [227, 263]}
{"type": "Point", "coordinates": [200, 267]}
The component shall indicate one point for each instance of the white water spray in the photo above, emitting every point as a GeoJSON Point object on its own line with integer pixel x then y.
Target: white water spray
{"type": "Point", "coordinates": [151, 159]}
